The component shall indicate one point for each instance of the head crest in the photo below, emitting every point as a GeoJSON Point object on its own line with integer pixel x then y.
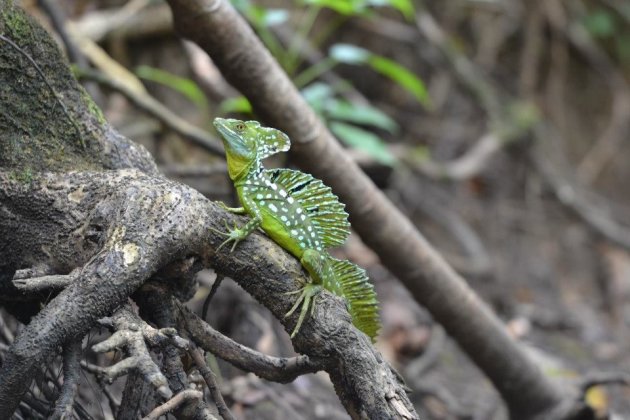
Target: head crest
{"type": "Point", "coordinates": [244, 138]}
{"type": "Point", "coordinates": [271, 141]}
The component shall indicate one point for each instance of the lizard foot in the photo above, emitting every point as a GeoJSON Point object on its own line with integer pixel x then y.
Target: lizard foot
{"type": "Point", "coordinates": [234, 234]}
{"type": "Point", "coordinates": [307, 298]}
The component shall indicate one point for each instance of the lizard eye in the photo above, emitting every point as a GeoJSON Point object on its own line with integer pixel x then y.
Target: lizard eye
{"type": "Point", "coordinates": [240, 127]}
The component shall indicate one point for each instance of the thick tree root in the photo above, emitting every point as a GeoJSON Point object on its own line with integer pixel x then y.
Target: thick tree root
{"type": "Point", "coordinates": [115, 230]}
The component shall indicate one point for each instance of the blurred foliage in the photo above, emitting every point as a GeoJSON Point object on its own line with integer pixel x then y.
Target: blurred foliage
{"type": "Point", "coordinates": [186, 87]}
{"type": "Point", "coordinates": [610, 27]}
{"type": "Point", "coordinates": [351, 122]}
{"type": "Point", "coordinates": [351, 54]}
{"type": "Point", "coordinates": [601, 23]}
{"type": "Point", "coordinates": [239, 105]}
{"type": "Point", "coordinates": [360, 7]}
{"type": "Point", "coordinates": [343, 117]}
{"type": "Point", "coordinates": [363, 140]}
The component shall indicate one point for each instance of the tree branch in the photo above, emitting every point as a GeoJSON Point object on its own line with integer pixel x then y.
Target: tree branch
{"type": "Point", "coordinates": [71, 369]}
{"type": "Point", "coordinates": [185, 396]}
{"type": "Point", "coordinates": [211, 382]}
{"type": "Point", "coordinates": [268, 367]}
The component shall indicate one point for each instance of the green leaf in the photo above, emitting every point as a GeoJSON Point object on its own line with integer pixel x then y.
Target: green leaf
{"type": "Point", "coordinates": [276, 16]}
{"type": "Point", "coordinates": [186, 87]}
{"type": "Point", "coordinates": [359, 114]}
{"type": "Point", "coordinates": [622, 44]}
{"type": "Point", "coordinates": [239, 105]}
{"type": "Point", "coordinates": [343, 7]}
{"type": "Point", "coordinates": [261, 18]}
{"type": "Point", "coordinates": [351, 54]}
{"type": "Point", "coordinates": [360, 7]}
{"type": "Point", "coordinates": [243, 6]}
{"type": "Point", "coordinates": [403, 6]}
{"type": "Point", "coordinates": [316, 94]}
{"type": "Point", "coordinates": [364, 140]}
{"type": "Point", "coordinates": [600, 23]}
{"type": "Point", "coordinates": [402, 76]}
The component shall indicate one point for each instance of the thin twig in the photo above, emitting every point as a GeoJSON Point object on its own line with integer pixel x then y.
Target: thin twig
{"type": "Point", "coordinates": [5, 332]}
{"type": "Point", "coordinates": [136, 18]}
{"type": "Point", "coordinates": [211, 381]}
{"type": "Point", "coordinates": [173, 403]}
{"type": "Point", "coordinates": [213, 291]}
{"type": "Point", "coordinates": [131, 333]}
{"type": "Point", "coordinates": [46, 283]}
{"type": "Point", "coordinates": [276, 369]}
{"type": "Point", "coordinates": [605, 147]}
{"type": "Point", "coordinates": [92, 368]}
{"type": "Point", "coordinates": [151, 106]}
{"type": "Point", "coordinates": [589, 207]}
{"type": "Point", "coordinates": [74, 52]}
{"type": "Point", "coordinates": [473, 162]}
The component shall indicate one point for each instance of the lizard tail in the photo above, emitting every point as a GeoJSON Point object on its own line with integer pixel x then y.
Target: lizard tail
{"type": "Point", "coordinates": [354, 285]}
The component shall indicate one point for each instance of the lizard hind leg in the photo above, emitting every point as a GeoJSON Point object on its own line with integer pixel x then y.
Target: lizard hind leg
{"type": "Point", "coordinates": [306, 299]}
{"type": "Point", "coordinates": [315, 263]}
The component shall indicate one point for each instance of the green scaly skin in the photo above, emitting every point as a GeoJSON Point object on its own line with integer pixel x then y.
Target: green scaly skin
{"type": "Point", "coordinates": [299, 213]}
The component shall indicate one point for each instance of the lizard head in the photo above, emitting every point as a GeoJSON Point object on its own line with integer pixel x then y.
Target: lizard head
{"type": "Point", "coordinates": [246, 142]}
{"type": "Point", "coordinates": [239, 140]}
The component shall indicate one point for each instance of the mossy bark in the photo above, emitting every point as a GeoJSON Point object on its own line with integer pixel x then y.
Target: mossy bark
{"type": "Point", "coordinates": [43, 119]}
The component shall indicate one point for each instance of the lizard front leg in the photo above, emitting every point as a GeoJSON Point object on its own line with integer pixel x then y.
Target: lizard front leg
{"type": "Point", "coordinates": [233, 210]}
{"type": "Point", "coordinates": [238, 234]}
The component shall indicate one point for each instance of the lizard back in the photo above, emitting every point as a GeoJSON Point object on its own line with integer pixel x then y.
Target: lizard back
{"type": "Point", "coordinates": [302, 212]}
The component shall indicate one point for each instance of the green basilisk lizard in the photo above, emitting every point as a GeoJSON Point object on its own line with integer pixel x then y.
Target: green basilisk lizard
{"type": "Point", "coordinates": [299, 213]}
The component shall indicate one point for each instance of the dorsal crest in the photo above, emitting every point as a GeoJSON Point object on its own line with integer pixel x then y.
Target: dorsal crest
{"type": "Point", "coordinates": [316, 202]}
